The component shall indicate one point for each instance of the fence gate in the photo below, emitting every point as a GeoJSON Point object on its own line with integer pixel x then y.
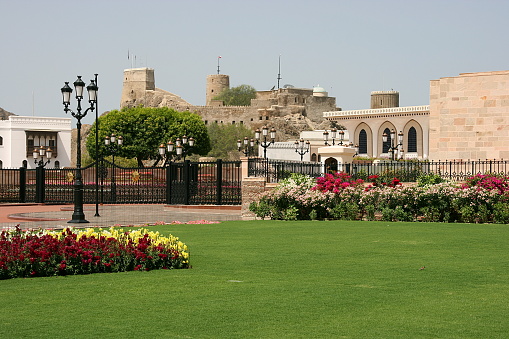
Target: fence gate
{"type": "Point", "coordinates": [204, 183]}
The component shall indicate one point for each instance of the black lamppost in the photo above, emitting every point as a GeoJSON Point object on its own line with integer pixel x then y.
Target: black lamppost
{"type": "Point", "coordinates": [79, 216]}
{"type": "Point", "coordinates": [181, 148]}
{"type": "Point", "coordinates": [246, 147]}
{"type": "Point", "coordinates": [392, 146]}
{"type": "Point", "coordinates": [301, 148]}
{"type": "Point", "coordinates": [265, 132]}
{"type": "Point", "coordinates": [41, 151]}
{"type": "Point", "coordinates": [39, 160]}
{"type": "Point", "coordinates": [333, 134]}
{"type": "Point", "coordinates": [356, 148]}
{"type": "Point", "coordinates": [97, 157]}
{"type": "Point", "coordinates": [113, 144]}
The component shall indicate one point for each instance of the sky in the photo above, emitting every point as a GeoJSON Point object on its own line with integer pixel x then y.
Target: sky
{"type": "Point", "coordinates": [350, 48]}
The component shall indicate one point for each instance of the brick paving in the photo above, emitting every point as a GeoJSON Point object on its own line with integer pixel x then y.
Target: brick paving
{"type": "Point", "coordinates": [56, 216]}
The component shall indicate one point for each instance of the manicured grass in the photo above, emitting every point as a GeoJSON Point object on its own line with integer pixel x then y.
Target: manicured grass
{"type": "Point", "coordinates": [276, 279]}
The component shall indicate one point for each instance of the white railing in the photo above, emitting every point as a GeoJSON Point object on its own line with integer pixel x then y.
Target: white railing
{"type": "Point", "coordinates": [392, 110]}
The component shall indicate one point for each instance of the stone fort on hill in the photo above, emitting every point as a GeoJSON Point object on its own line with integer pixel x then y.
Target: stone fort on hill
{"type": "Point", "coordinates": [139, 89]}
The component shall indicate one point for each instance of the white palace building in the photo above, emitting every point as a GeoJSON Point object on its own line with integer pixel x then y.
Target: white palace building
{"type": "Point", "coordinates": [21, 135]}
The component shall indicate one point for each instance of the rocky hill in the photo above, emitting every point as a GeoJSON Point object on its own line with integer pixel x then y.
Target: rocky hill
{"type": "Point", "coordinates": [4, 115]}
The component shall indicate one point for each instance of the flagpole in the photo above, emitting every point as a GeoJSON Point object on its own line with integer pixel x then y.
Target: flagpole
{"type": "Point", "coordinates": [219, 57]}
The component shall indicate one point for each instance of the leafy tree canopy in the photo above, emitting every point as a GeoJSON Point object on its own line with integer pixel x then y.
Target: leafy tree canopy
{"type": "Point", "coordinates": [237, 96]}
{"type": "Point", "coordinates": [144, 129]}
{"type": "Point", "coordinates": [224, 138]}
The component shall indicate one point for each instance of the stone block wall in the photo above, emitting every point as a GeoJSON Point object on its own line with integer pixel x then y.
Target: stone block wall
{"type": "Point", "coordinates": [252, 187]}
{"type": "Point", "coordinates": [469, 117]}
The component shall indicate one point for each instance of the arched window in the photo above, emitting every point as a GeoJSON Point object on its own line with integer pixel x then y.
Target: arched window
{"type": "Point", "coordinates": [313, 157]}
{"type": "Point", "coordinates": [57, 164]}
{"type": "Point", "coordinates": [25, 164]}
{"type": "Point", "coordinates": [1, 164]}
{"type": "Point", "coordinates": [363, 142]}
{"type": "Point", "coordinates": [1, 141]}
{"type": "Point", "coordinates": [387, 145]}
{"type": "Point", "coordinates": [412, 140]}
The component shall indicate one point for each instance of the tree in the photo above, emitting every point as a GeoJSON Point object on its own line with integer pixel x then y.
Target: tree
{"type": "Point", "coordinates": [224, 138]}
{"type": "Point", "coordinates": [237, 96]}
{"type": "Point", "coordinates": [144, 129]}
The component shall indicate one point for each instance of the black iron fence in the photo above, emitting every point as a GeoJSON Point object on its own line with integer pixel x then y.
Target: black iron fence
{"type": "Point", "coordinates": [276, 170]}
{"type": "Point", "coordinates": [407, 171]}
{"type": "Point", "coordinates": [192, 183]}
{"type": "Point", "coordinates": [410, 171]}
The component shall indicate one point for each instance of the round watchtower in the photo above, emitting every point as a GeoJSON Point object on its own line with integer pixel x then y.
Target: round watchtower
{"type": "Point", "coordinates": [384, 99]}
{"type": "Point", "coordinates": [216, 83]}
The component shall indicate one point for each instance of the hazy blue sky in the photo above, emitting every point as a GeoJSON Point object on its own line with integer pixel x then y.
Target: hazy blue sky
{"type": "Point", "coordinates": [348, 47]}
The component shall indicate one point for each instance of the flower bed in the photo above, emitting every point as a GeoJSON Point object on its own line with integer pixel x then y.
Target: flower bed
{"type": "Point", "coordinates": [68, 252]}
{"type": "Point", "coordinates": [481, 199]}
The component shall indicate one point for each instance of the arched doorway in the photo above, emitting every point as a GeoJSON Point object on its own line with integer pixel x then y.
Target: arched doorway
{"type": "Point", "coordinates": [331, 165]}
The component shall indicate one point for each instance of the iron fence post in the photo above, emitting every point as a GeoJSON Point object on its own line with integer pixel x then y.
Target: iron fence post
{"type": "Point", "coordinates": [168, 183]}
{"type": "Point", "coordinates": [219, 181]}
{"type": "Point", "coordinates": [39, 184]}
{"type": "Point", "coordinates": [187, 165]}
{"type": "Point", "coordinates": [22, 184]}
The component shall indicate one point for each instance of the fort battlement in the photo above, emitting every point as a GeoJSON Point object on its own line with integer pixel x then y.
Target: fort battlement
{"type": "Point", "coordinates": [139, 89]}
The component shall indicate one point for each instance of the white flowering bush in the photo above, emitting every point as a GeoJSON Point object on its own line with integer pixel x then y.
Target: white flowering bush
{"type": "Point", "coordinates": [300, 197]}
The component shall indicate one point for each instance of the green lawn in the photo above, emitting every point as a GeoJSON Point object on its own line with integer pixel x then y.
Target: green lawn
{"type": "Point", "coordinates": [276, 279]}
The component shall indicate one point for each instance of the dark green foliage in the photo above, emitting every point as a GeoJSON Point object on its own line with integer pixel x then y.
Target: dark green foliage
{"type": "Point", "coordinates": [429, 179]}
{"type": "Point", "coordinates": [370, 212]}
{"type": "Point", "coordinates": [501, 213]}
{"type": "Point", "coordinates": [144, 129]}
{"type": "Point", "coordinates": [262, 209]}
{"type": "Point", "coordinates": [345, 210]}
{"type": "Point", "coordinates": [223, 139]}
{"type": "Point", "coordinates": [237, 96]}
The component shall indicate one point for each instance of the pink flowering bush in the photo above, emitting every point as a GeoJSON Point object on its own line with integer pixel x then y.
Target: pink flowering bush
{"type": "Point", "coordinates": [482, 198]}
{"type": "Point", "coordinates": [336, 182]}
{"type": "Point", "coordinates": [489, 182]}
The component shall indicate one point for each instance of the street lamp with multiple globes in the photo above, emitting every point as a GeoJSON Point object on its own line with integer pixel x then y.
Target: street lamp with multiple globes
{"type": "Point", "coordinates": [181, 148]}
{"type": "Point", "coordinates": [113, 144]}
{"type": "Point", "coordinates": [246, 147]}
{"type": "Point", "coordinates": [302, 148]}
{"type": "Point", "coordinates": [356, 148]}
{"type": "Point", "coordinates": [39, 160]}
{"type": "Point", "coordinates": [333, 134]}
{"type": "Point", "coordinates": [41, 151]}
{"type": "Point", "coordinates": [265, 132]}
{"type": "Point", "coordinates": [393, 148]}
{"type": "Point", "coordinates": [78, 215]}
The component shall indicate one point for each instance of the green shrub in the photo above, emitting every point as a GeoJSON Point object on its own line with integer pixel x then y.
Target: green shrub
{"type": "Point", "coordinates": [468, 214]}
{"type": "Point", "coordinates": [387, 214]}
{"type": "Point", "coordinates": [370, 212]}
{"type": "Point", "coordinates": [401, 215]}
{"type": "Point", "coordinates": [501, 213]}
{"type": "Point", "coordinates": [261, 209]}
{"type": "Point", "coordinates": [429, 179]}
{"type": "Point", "coordinates": [345, 211]}
{"type": "Point", "coordinates": [291, 213]}
{"type": "Point", "coordinates": [430, 214]}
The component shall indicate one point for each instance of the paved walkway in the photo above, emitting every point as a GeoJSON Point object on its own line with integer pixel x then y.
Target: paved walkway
{"type": "Point", "coordinates": [56, 216]}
